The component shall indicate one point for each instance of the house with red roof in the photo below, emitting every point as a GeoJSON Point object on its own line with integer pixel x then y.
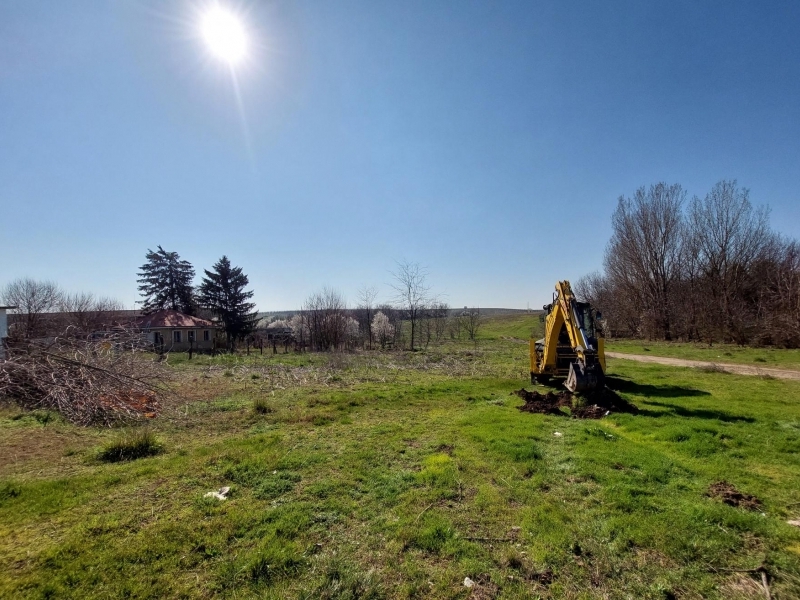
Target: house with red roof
{"type": "Point", "coordinates": [174, 331]}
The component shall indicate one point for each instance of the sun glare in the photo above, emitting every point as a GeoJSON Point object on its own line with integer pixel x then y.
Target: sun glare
{"type": "Point", "coordinates": [224, 35]}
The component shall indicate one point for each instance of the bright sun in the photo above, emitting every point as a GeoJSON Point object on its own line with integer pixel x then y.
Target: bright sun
{"type": "Point", "coordinates": [224, 34]}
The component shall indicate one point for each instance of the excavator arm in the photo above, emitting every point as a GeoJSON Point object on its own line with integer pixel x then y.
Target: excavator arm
{"type": "Point", "coordinates": [571, 346]}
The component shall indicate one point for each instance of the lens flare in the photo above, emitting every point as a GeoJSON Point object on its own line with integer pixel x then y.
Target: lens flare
{"type": "Point", "coordinates": [224, 35]}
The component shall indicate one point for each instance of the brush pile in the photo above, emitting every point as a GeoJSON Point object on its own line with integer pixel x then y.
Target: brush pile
{"type": "Point", "coordinates": [89, 381]}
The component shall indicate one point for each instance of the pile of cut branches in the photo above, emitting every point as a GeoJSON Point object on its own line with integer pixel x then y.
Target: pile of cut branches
{"type": "Point", "coordinates": [90, 381]}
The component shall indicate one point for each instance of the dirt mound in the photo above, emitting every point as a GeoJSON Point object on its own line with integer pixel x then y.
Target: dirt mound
{"type": "Point", "coordinates": [546, 404]}
{"type": "Point", "coordinates": [726, 492]}
{"type": "Point", "coordinates": [593, 405]}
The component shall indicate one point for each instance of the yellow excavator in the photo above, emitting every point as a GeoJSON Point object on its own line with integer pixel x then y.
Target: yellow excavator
{"type": "Point", "coordinates": [572, 345]}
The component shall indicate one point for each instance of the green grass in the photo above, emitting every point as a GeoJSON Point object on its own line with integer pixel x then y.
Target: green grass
{"type": "Point", "coordinates": [519, 326]}
{"type": "Point", "coordinates": [718, 353]}
{"type": "Point", "coordinates": [397, 475]}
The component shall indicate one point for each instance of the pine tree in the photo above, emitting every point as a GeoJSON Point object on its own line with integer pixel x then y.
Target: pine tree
{"type": "Point", "coordinates": [165, 281]}
{"type": "Point", "coordinates": [222, 292]}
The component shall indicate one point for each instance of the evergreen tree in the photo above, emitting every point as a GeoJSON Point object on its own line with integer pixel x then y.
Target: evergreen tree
{"type": "Point", "coordinates": [222, 292]}
{"type": "Point", "coordinates": [165, 281]}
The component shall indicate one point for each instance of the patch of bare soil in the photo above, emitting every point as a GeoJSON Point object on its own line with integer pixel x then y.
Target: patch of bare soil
{"type": "Point", "coordinates": [545, 577]}
{"type": "Point", "coordinates": [722, 490]}
{"type": "Point", "coordinates": [592, 405]}
{"type": "Point", "coordinates": [545, 404]}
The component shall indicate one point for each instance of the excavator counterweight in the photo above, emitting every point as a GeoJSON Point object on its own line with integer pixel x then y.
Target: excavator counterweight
{"type": "Point", "coordinates": [572, 345]}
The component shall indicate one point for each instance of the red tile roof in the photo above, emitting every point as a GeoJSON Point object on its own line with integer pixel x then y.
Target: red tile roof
{"type": "Point", "coordinates": [171, 318]}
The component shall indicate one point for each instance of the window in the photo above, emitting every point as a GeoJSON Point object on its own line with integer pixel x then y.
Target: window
{"type": "Point", "coordinates": [190, 336]}
{"type": "Point", "coordinates": [176, 337]}
{"type": "Point", "coordinates": [206, 335]}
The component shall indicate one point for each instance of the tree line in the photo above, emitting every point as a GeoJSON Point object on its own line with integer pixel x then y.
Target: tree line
{"type": "Point", "coordinates": [412, 318]}
{"type": "Point", "coordinates": [708, 269]}
{"type": "Point", "coordinates": [45, 309]}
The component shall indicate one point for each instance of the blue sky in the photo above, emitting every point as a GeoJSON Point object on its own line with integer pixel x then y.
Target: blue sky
{"type": "Point", "coordinates": [488, 141]}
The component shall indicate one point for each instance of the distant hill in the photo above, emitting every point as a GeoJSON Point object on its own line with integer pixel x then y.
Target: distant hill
{"type": "Point", "coordinates": [489, 312]}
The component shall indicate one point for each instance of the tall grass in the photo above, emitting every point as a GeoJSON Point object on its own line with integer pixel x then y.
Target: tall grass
{"type": "Point", "coordinates": [139, 444]}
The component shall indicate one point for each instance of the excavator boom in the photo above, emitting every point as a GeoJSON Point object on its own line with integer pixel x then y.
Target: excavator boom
{"type": "Point", "coordinates": [572, 346]}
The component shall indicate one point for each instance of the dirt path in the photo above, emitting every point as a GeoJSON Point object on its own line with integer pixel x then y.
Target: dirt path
{"type": "Point", "coordinates": [730, 368]}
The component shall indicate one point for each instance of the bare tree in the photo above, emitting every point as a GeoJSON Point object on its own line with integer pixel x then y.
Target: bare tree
{"type": "Point", "coordinates": [33, 299]}
{"type": "Point", "coordinates": [84, 313]}
{"type": "Point", "coordinates": [455, 325]}
{"type": "Point", "coordinates": [729, 236]}
{"type": "Point", "coordinates": [326, 315]}
{"type": "Point", "coordinates": [714, 272]}
{"type": "Point", "coordinates": [644, 254]}
{"type": "Point", "coordinates": [781, 296]}
{"type": "Point", "coordinates": [471, 320]}
{"type": "Point", "coordinates": [366, 304]}
{"type": "Point", "coordinates": [440, 312]}
{"type": "Point", "coordinates": [411, 292]}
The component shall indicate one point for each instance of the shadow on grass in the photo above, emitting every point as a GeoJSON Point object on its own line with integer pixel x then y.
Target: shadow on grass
{"type": "Point", "coordinates": [695, 413]}
{"type": "Point", "coordinates": [627, 386]}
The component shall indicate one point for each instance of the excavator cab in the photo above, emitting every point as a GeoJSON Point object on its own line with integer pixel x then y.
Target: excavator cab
{"type": "Point", "coordinates": [573, 346]}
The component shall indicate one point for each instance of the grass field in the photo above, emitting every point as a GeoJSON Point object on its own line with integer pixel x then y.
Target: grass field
{"type": "Point", "coordinates": [397, 475]}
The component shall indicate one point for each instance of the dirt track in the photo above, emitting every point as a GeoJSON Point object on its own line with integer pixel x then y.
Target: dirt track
{"type": "Point", "coordinates": [730, 368]}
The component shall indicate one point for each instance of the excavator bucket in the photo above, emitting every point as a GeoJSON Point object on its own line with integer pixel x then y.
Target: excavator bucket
{"type": "Point", "coordinates": [583, 378]}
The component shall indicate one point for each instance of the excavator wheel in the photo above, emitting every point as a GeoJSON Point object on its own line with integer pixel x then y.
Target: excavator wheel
{"type": "Point", "coordinates": [583, 378]}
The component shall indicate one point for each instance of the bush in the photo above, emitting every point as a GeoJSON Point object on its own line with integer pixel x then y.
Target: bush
{"type": "Point", "coordinates": [139, 445]}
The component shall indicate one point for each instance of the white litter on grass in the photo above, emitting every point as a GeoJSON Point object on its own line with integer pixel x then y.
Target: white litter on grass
{"type": "Point", "coordinates": [468, 582]}
{"type": "Point", "coordinates": [220, 494]}
{"type": "Point", "coordinates": [795, 523]}
{"type": "Point", "coordinates": [558, 434]}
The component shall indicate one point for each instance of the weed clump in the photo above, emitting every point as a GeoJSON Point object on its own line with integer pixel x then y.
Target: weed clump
{"type": "Point", "coordinates": [261, 406]}
{"type": "Point", "coordinates": [8, 491]}
{"type": "Point", "coordinates": [139, 445]}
